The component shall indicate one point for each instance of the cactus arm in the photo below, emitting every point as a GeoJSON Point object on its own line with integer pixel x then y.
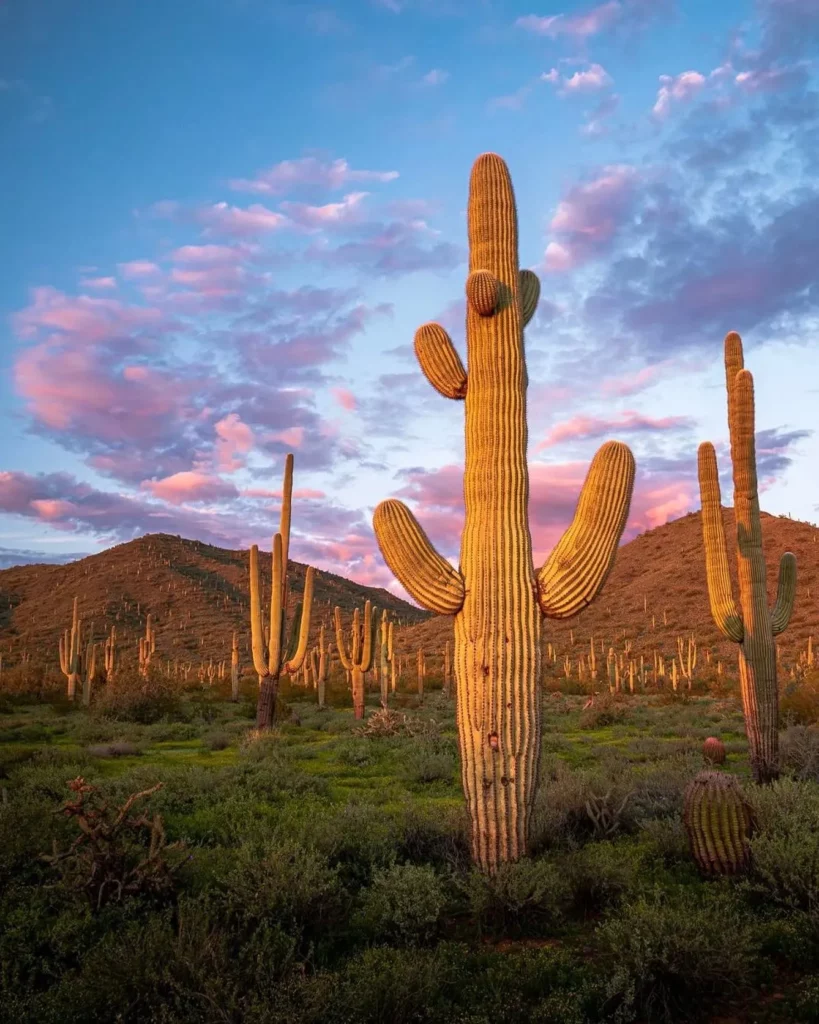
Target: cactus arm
{"type": "Point", "coordinates": [720, 592]}
{"type": "Point", "coordinates": [577, 568]}
{"type": "Point", "coordinates": [278, 592]}
{"type": "Point", "coordinates": [785, 594]}
{"type": "Point", "coordinates": [529, 294]}
{"type": "Point", "coordinates": [439, 361]}
{"type": "Point", "coordinates": [423, 573]}
{"type": "Point", "coordinates": [368, 646]}
{"type": "Point", "coordinates": [256, 634]}
{"type": "Point", "coordinates": [296, 660]}
{"type": "Point", "coordinates": [284, 522]}
{"type": "Point", "coordinates": [342, 651]}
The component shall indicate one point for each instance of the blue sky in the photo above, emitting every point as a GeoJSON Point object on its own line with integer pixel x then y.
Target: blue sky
{"type": "Point", "coordinates": [224, 220]}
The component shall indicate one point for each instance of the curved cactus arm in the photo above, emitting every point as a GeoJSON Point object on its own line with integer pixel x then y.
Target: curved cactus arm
{"type": "Point", "coordinates": [296, 660]}
{"type": "Point", "coordinates": [529, 294]}
{"type": "Point", "coordinates": [284, 522]}
{"type": "Point", "coordinates": [785, 594]}
{"type": "Point", "coordinates": [576, 570]}
{"type": "Point", "coordinates": [342, 651]}
{"type": "Point", "coordinates": [256, 633]}
{"type": "Point", "coordinates": [423, 573]}
{"type": "Point", "coordinates": [439, 361]}
{"type": "Point", "coordinates": [720, 592]}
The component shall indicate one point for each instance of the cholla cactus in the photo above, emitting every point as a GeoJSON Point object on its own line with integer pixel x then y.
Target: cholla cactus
{"type": "Point", "coordinates": [718, 821]}
{"type": "Point", "coordinates": [70, 652]}
{"type": "Point", "coordinates": [495, 596]}
{"type": "Point", "coordinates": [359, 659]}
{"type": "Point", "coordinates": [272, 658]}
{"type": "Point", "coordinates": [753, 625]}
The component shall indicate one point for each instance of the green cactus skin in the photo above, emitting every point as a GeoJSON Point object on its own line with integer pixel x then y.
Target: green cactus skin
{"type": "Point", "coordinates": [719, 823]}
{"type": "Point", "coordinates": [496, 597]}
{"type": "Point", "coordinates": [359, 659]}
{"type": "Point", "coordinates": [277, 659]}
{"type": "Point", "coordinates": [70, 652]}
{"type": "Point", "coordinates": [753, 626]}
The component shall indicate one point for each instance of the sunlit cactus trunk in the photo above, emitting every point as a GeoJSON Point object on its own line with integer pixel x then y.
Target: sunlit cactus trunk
{"type": "Point", "coordinates": [753, 626]}
{"type": "Point", "coordinates": [70, 652]}
{"type": "Point", "coordinates": [359, 658]}
{"type": "Point", "coordinates": [496, 597]}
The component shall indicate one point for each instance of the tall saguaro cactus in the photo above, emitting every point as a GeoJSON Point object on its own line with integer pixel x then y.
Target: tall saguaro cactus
{"type": "Point", "coordinates": [320, 663]}
{"type": "Point", "coordinates": [276, 658]}
{"type": "Point", "coordinates": [495, 596]}
{"type": "Point", "coordinates": [386, 656]}
{"type": "Point", "coordinates": [359, 658]}
{"type": "Point", "coordinates": [234, 669]}
{"type": "Point", "coordinates": [70, 652]}
{"type": "Point", "coordinates": [753, 625]}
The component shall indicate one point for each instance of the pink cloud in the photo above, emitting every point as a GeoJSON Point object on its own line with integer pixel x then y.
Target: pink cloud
{"type": "Point", "coordinates": [293, 436]}
{"type": "Point", "coordinates": [211, 281]}
{"type": "Point", "coordinates": [232, 221]}
{"type": "Point", "coordinates": [435, 77]}
{"type": "Point", "coordinates": [580, 428]}
{"type": "Point", "coordinates": [588, 218]}
{"type": "Point", "coordinates": [137, 269]}
{"type": "Point", "coordinates": [305, 493]}
{"type": "Point", "coordinates": [210, 255]}
{"type": "Point", "coordinates": [190, 485]}
{"type": "Point", "coordinates": [52, 508]}
{"type": "Point", "coordinates": [289, 175]}
{"type": "Point", "coordinates": [631, 383]}
{"type": "Point", "coordinates": [234, 439]}
{"type": "Point", "coordinates": [331, 215]}
{"type": "Point", "coordinates": [346, 399]}
{"type": "Point", "coordinates": [577, 26]}
{"type": "Point", "coordinates": [677, 88]}
{"type": "Point", "coordinates": [101, 283]}
{"type": "Point", "coordinates": [593, 79]}
{"type": "Point", "coordinates": [96, 319]}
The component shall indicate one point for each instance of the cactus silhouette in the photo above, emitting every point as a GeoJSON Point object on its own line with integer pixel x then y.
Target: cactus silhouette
{"type": "Point", "coordinates": [753, 625]}
{"type": "Point", "coordinates": [495, 595]}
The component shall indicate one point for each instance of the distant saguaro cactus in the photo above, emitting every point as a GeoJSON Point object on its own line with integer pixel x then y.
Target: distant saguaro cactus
{"type": "Point", "coordinates": [359, 658]}
{"type": "Point", "coordinates": [70, 652]}
{"type": "Point", "coordinates": [234, 669]}
{"type": "Point", "coordinates": [495, 596]}
{"type": "Point", "coordinates": [278, 657]}
{"type": "Point", "coordinates": [319, 664]}
{"type": "Point", "coordinates": [718, 821]}
{"type": "Point", "coordinates": [110, 655]}
{"type": "Point", "coordinates": [753, 625]}
{"type": "Point", "coordinates": [386, 656]}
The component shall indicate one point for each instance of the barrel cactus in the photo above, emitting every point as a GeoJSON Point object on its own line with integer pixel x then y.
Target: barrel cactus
{"type": "Point", "coordinates": [713, 750]}
{"type": "Point", "coordinates": [718, 821]}
{"type": "Point", "coordinates": [752, 625]}
{"type": "Point", "coordinates": [495, 595]}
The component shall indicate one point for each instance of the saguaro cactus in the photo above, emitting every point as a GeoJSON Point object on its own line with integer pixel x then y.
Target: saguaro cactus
{"type": "Point", "coordinates": [90, 668]}
{"type": "Point", "coordinates": [319, 663]}
{"type": "Point", "coordinates": [753, 625]}
{"type": "Point", "coordinates": [70, 652]}
{"type": "Point", "coordinates": [718, 821]}
{"type": "Point", "coordinates": [386, 656]}
{"type": "Point", "coordinates": [110, 655]}
{"type": "Point", "coordinates": [147, 646]}
{"type": "Point", "coordinates": [359, 658]}
{"type": "Point", "coordinates": [234, 669]}
{"type": "Point", "coordinates": [269, 663]}
{"type": "Point", "coordinates": [495, 596]}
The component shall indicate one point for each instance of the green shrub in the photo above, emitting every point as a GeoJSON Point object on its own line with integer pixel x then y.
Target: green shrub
{"type": "Point", "coordinates": [403, 904]}
{"type": "Point", "coordinates": [531, 895]}
{"type": "Point", "coordinates": [134, 699]}
{"type": "Point", "coordinates": [430, 760]}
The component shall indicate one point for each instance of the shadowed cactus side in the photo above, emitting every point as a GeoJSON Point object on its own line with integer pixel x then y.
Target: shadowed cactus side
{"type": "Point", "coordinates": [718, 821]}
{"type": "Point", "coordinates": [713, 750]}
{"type": "Point", "coordinates": [752, 625]}
{"type": "Point", "coordinates": [495, 596]}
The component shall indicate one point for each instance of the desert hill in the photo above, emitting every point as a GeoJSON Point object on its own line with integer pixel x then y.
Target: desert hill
{"type": "Point", "coordinates": [198, 594]}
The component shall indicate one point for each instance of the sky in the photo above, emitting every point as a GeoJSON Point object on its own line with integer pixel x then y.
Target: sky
{"type": "Point", "coordinates": [223, 221]}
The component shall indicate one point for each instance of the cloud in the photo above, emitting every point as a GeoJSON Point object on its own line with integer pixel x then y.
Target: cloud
{"type": "Point", "coordinates": [589, 216]}
{"type": "Point", "coordinates": [677, 88]}
{"type": "Point", "coordinates": [435, 77]}
{"type": "Point", "coordinates": [577, 26]}
{"type": "Point", "coordinates": [593, 79]}
{"type": "Point", "coordinates": [99, 283]}
{"type": "Point", "coordinates": [10, 557]}
{"type": "Point", "coordinates": [512, 101]}
{"type": "Point", "coordinates": [235, 222]}
{"type": "Point", "coordinates": [191, 485]}
{"type": "Point", "coordinates": [234, 440]}
{"type": "Point", "coordinates": [388, 250]}
{"type": "Point", "coordinates": [331, 216]}
{"type": "Point", "coordinates": [346, 399]}
{"type": "Point", "coordinates": [582, 428]}
{"type": "Point", "coordinates": [290, 175]}
{"type": "Point", "coordinates": [138, 269]}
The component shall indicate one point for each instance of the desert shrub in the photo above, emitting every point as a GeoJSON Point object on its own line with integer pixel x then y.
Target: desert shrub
{"type": "Point", "coordinates": [574, 806]}
{"type": "Point", "coordinates": [433, 835]}
{"type": "Point", "coordinates": [600, 874]}
{"type": "Point", "coordinates": [532, 894]}
{"type": "Point", "coordinates": [355, 753]}
{"type": "Point", "coordinates": [658, 791]}
{"type": "Point", "coordinates": [667, 839]}
{"type": "Point", "coordinates": [430, 760]}
{"type": "Point", "coordinates": [799, 752]}
{"type": "Point", "coordinates": [606, 710]}
{"type": "Point", "coordinates": [216, 740]}
{"type": "Point", "coordinates": [403, 904]}
{"type": "Point", "coordinates": [130, 698]}
{"type": "Point", "coordinates": [673, 951]}
{"type": "Point", "coordinates": [799, 704]}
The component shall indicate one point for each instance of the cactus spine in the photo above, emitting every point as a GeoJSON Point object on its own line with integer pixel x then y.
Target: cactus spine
{"type": "Point", "coordinates": [70, 652]}
{"type": "Point", "coordinates": [278, 657]}
{"type": "Point", "coordinates": [718, 821]}
{"type": "Point", "coordinates": [495, 596]}
{"type": "Point", "coordinates": [753, 625]}
{"type": "Point", "coordinates": [359, 659]}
